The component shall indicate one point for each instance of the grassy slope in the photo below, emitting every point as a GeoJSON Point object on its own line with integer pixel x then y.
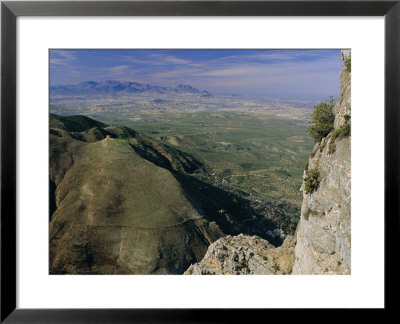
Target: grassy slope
{"type": "Point", "coordinates": [111, 185]}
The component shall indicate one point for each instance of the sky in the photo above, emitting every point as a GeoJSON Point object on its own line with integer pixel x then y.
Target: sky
{"type": "Point", "coordinates": [282, 74]}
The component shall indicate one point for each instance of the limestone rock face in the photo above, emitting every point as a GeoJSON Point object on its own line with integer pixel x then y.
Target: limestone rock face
{"type": "Point", "coordinates": [243, 254]}
{"type": "Point", "coordinates": [343, 105]}
{"type": "Point", "coordinates": [324, 231]}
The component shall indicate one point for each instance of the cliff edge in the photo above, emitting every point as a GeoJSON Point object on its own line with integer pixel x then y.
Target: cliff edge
{"type": "Point", "coordinates": [324, 231]}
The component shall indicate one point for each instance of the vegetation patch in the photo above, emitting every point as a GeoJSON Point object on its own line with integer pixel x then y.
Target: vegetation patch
{"type": "Point", "coordinates": [240, 179]}
{"type": "Point", "coordinates": [331, 148]}
{"type": "Point", "coordinates": [312, 180]}
{"type": "Point", "coordinates": [322, 120]}
{"type": "Point", "coordinates": [341, 132]}
{"type": "Point", "coordinates": [276, 267]}
{"type": "Point", "coordinates": [347, 63]}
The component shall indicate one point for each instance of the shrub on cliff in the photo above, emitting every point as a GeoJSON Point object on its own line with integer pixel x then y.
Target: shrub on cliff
{"type": "Point", "coordinates": [341, 132]}
{"type": "Point", "coordinates": [322, 120]}
{"type": "Point", "coordinates": [312, 180]}
{"type": "Point", "coordinates": [331, 148]}
{"type": "Point", "coordinates": [347, 63]}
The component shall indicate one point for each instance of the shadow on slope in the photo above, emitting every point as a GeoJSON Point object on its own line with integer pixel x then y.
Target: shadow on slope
{"type": "Point", "coordinates": [232, 213]}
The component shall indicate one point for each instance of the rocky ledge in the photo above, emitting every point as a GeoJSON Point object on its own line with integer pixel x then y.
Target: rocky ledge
{"type": "Point", "coordinates": [244, 254]}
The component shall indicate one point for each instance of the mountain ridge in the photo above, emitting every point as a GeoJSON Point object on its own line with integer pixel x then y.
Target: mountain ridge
{"type": "Point", "coordinates": [117, 87]}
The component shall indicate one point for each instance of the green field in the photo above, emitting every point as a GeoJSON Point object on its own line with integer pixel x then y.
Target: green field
{"type": "Point", "coordinates": [255, 155]}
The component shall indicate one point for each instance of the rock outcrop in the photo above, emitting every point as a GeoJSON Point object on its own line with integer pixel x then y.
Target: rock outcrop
{"type": "Point", "coordinates": [324, 231]}
{"type": "Point", "coordinates": [243, 254]}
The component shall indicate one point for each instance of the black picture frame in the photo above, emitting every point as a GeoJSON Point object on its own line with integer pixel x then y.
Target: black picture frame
{"type": "Point", "coordinates": [10, 10]}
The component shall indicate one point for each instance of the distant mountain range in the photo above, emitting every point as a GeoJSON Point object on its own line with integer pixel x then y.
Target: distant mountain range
{"type": "Point", "coordinates": [115, 88]}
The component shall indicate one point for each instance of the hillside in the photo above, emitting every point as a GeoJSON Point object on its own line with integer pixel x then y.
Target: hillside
{"type": "Point", "coordinates": [118, 213]}
{"type": "Point", "coordinates": [74, 123]}
{"type": "Point", "coordinates": [121, 202]}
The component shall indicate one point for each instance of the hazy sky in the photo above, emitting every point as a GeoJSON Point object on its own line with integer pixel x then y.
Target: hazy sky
{"type": "Point", "coordinates": [285, 74]}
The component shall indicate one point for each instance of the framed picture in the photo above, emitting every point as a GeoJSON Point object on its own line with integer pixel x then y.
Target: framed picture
{"type": "Point", "coordinates": [201, 43]}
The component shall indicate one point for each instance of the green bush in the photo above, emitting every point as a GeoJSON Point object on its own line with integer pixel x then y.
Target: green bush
{"type": "Point", "coordinates": [240, 179]}
{"type": "Point", "coordinates": [331, 148]}
{"type": "Point", "coordinates": [341, 132]}
{"type": "Point", "coordinates": [322, 120]}
{"type": "Point", "coordinates": [347, 63]}
{"type": "Point", "coordinates": [312, 180]}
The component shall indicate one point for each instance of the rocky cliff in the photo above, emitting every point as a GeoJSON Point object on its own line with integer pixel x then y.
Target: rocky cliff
{"type": "Point", "coordinates": [243, 254]}
{"type": "Point", "coordinates": [324, 231]}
